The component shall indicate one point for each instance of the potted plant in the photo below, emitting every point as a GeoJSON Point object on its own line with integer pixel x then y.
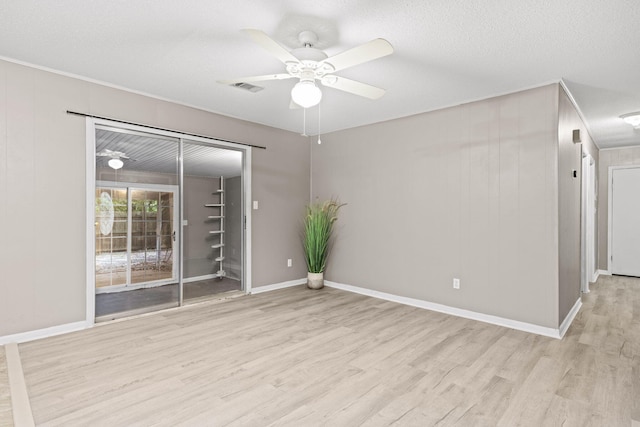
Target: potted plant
{"type": "Point", "coordinates": [318, 226]}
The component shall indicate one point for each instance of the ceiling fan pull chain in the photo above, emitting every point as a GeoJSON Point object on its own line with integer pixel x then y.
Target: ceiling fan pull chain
{"type": "Point", "coordinates": [319, 141]}
{"type": "Point", "coordinates": [304, 122]}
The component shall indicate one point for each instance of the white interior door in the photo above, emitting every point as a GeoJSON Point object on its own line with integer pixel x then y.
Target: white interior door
{"type": "Point", "coordinates": [625, 221]}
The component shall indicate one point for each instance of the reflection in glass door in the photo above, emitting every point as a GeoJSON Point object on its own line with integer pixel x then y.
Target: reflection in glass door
{"type": "Point", "coordinates": [135, 237]}
{"type": "Point", "coordinates": [136, 223]}
{"type": "Point", "coordinates": [169, 221]}
{"type": "Point", "coordinates": [152, 236]}
{"type": "Point", "coordinates": [111, 237]}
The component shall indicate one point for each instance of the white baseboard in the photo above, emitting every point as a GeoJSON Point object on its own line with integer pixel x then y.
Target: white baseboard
{"type": "Point", "coordinates": [569, 319]}
{"type": "Point", "coordinates": [467, 314]}
{"type": "Point", "coordinates": [281, 285]}
{"type": "Point", "coordinates": [602, 272]}
{"type": "Point", "coordinates": [44, 333]}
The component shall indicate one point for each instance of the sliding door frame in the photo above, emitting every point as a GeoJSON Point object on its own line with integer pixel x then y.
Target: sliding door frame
{"type": "Point", "coordinates": [90, 181]}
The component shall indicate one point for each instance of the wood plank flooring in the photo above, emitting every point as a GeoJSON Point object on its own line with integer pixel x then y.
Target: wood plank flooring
{"type": "Point", "coordinates": [297, 357]}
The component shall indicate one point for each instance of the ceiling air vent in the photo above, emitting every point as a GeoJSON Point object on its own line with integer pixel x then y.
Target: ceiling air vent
{"type": "Point", "coordinates": [247, 86]}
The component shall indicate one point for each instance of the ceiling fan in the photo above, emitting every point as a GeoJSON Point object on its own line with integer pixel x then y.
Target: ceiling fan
{"type": "Point", "coordinates": [309, 64]}
{"type": "Point", "coordinates": [115, 157]}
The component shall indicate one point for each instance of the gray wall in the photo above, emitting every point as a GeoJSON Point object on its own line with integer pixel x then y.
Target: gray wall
{"type": "Point", "coordinates": [611, 157]}
{"type": "Point", "coordinates": [233, 225]}
{"type": "Point", "coordinates": [42, 188]}
{"type": "Point", "coordinates": [569, 201]}
{"type": "Point", "coordinates": [468, 192]}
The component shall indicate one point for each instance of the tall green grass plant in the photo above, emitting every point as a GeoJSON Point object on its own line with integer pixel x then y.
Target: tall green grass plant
{"type": "Point", "coordinates": [318, 226]}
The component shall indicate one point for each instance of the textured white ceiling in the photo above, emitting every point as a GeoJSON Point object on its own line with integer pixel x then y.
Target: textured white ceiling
{"type": "Point", "coordinates": [447, 52]}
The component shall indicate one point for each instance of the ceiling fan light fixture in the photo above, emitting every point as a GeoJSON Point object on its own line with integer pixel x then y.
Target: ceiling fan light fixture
{"type": "Point", "coordinates": [306, 94]}
{"type": "Point", "coordinates": [632, 118]}
{"type": "Point", "coordinates": [115, 163]}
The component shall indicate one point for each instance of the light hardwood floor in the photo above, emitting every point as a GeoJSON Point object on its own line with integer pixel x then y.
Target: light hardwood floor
{"type": "Point", "coordinates": [298, 357]}
{"type": "Point", "coordinates": [6, 414]}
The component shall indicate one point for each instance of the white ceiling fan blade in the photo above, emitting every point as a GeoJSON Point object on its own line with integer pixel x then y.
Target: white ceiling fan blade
{"type": "Point", "coordinates": [352, 86]}
{"type": "Point", "coordinates": [281, 76]}
{"type": "Point", "coordinates": [271, 46]}
{"type": "Point", "coordinates": [365, 52]}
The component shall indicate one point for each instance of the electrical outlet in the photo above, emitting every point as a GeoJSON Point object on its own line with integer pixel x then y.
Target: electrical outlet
{"type": "Point", "coordinates": [289, 262]}
{"type": "Point", "coordinates": [456, 283]}
{"type": "Point", "coordinates": [255, 205]}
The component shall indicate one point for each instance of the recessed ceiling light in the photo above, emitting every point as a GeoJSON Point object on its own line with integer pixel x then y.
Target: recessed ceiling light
{"type": "Point", "coordinates": [632, 118]}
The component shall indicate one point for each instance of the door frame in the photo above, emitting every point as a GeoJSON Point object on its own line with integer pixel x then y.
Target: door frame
{"type": "Point", "coordinates": [588, 229]}
{"type": "Point", "coordinates": [610, 211]}
{"type": "Point", "coordinates": [90, 185]}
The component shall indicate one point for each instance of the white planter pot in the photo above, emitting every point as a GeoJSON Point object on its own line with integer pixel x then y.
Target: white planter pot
{"type": "Point", "coordinates": [315, 280]}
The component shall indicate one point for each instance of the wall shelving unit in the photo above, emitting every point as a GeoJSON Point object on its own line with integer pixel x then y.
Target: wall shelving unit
{"type": "Point", "coordinates": [218, 216]}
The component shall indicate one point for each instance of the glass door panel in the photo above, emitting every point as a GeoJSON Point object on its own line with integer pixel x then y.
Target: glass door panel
{"type": "Point", "coordinates": [212, 202]}
{"type": "Point", "coordinates": [136, 223]}
{"type": "Point", "coordinates": [111, 237]}
{"type": "Point", "coordinates": [152, 244]}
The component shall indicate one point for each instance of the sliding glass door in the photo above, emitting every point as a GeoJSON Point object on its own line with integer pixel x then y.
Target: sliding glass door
{"type": "Point", "coordinates": [136, 232]}
{"type": "Point", "coordinates": [169, 221]}
{"type": "Point", "coordinates": [137, 248]}
{"type": "Point", "coordinates": [212, 208]}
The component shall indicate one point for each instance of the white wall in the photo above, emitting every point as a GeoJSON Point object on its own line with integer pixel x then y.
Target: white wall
{"type": "Point", "coordinates": [468, 192]}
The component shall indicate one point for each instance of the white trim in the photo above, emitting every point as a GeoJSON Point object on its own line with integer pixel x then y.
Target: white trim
{"type": "Point", "coordinates": [579, 111]}
{"type": "Point", "coordinates": [118, 87]}
{"type": "Point", "coordinates": [275, 286]}
{"type": "Point", "coordinates": [587, 222]}
{"type": "Point", "coordinates": [20, 405]}
{"type": "Point", "coordinates": [564, 326]}
{"type": "Point", "coordinates": [90, 273]}
{"type": "Point", "coordinates": [201, 108]}
{"type": "Point", "coordinates": [467, 314]}
{"type": "Point", "coordinates": [602, 273]}
{"type": "Point", "coordinates": [45, 333]}
{"type": "Point", "coordinates": [246, 208]}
